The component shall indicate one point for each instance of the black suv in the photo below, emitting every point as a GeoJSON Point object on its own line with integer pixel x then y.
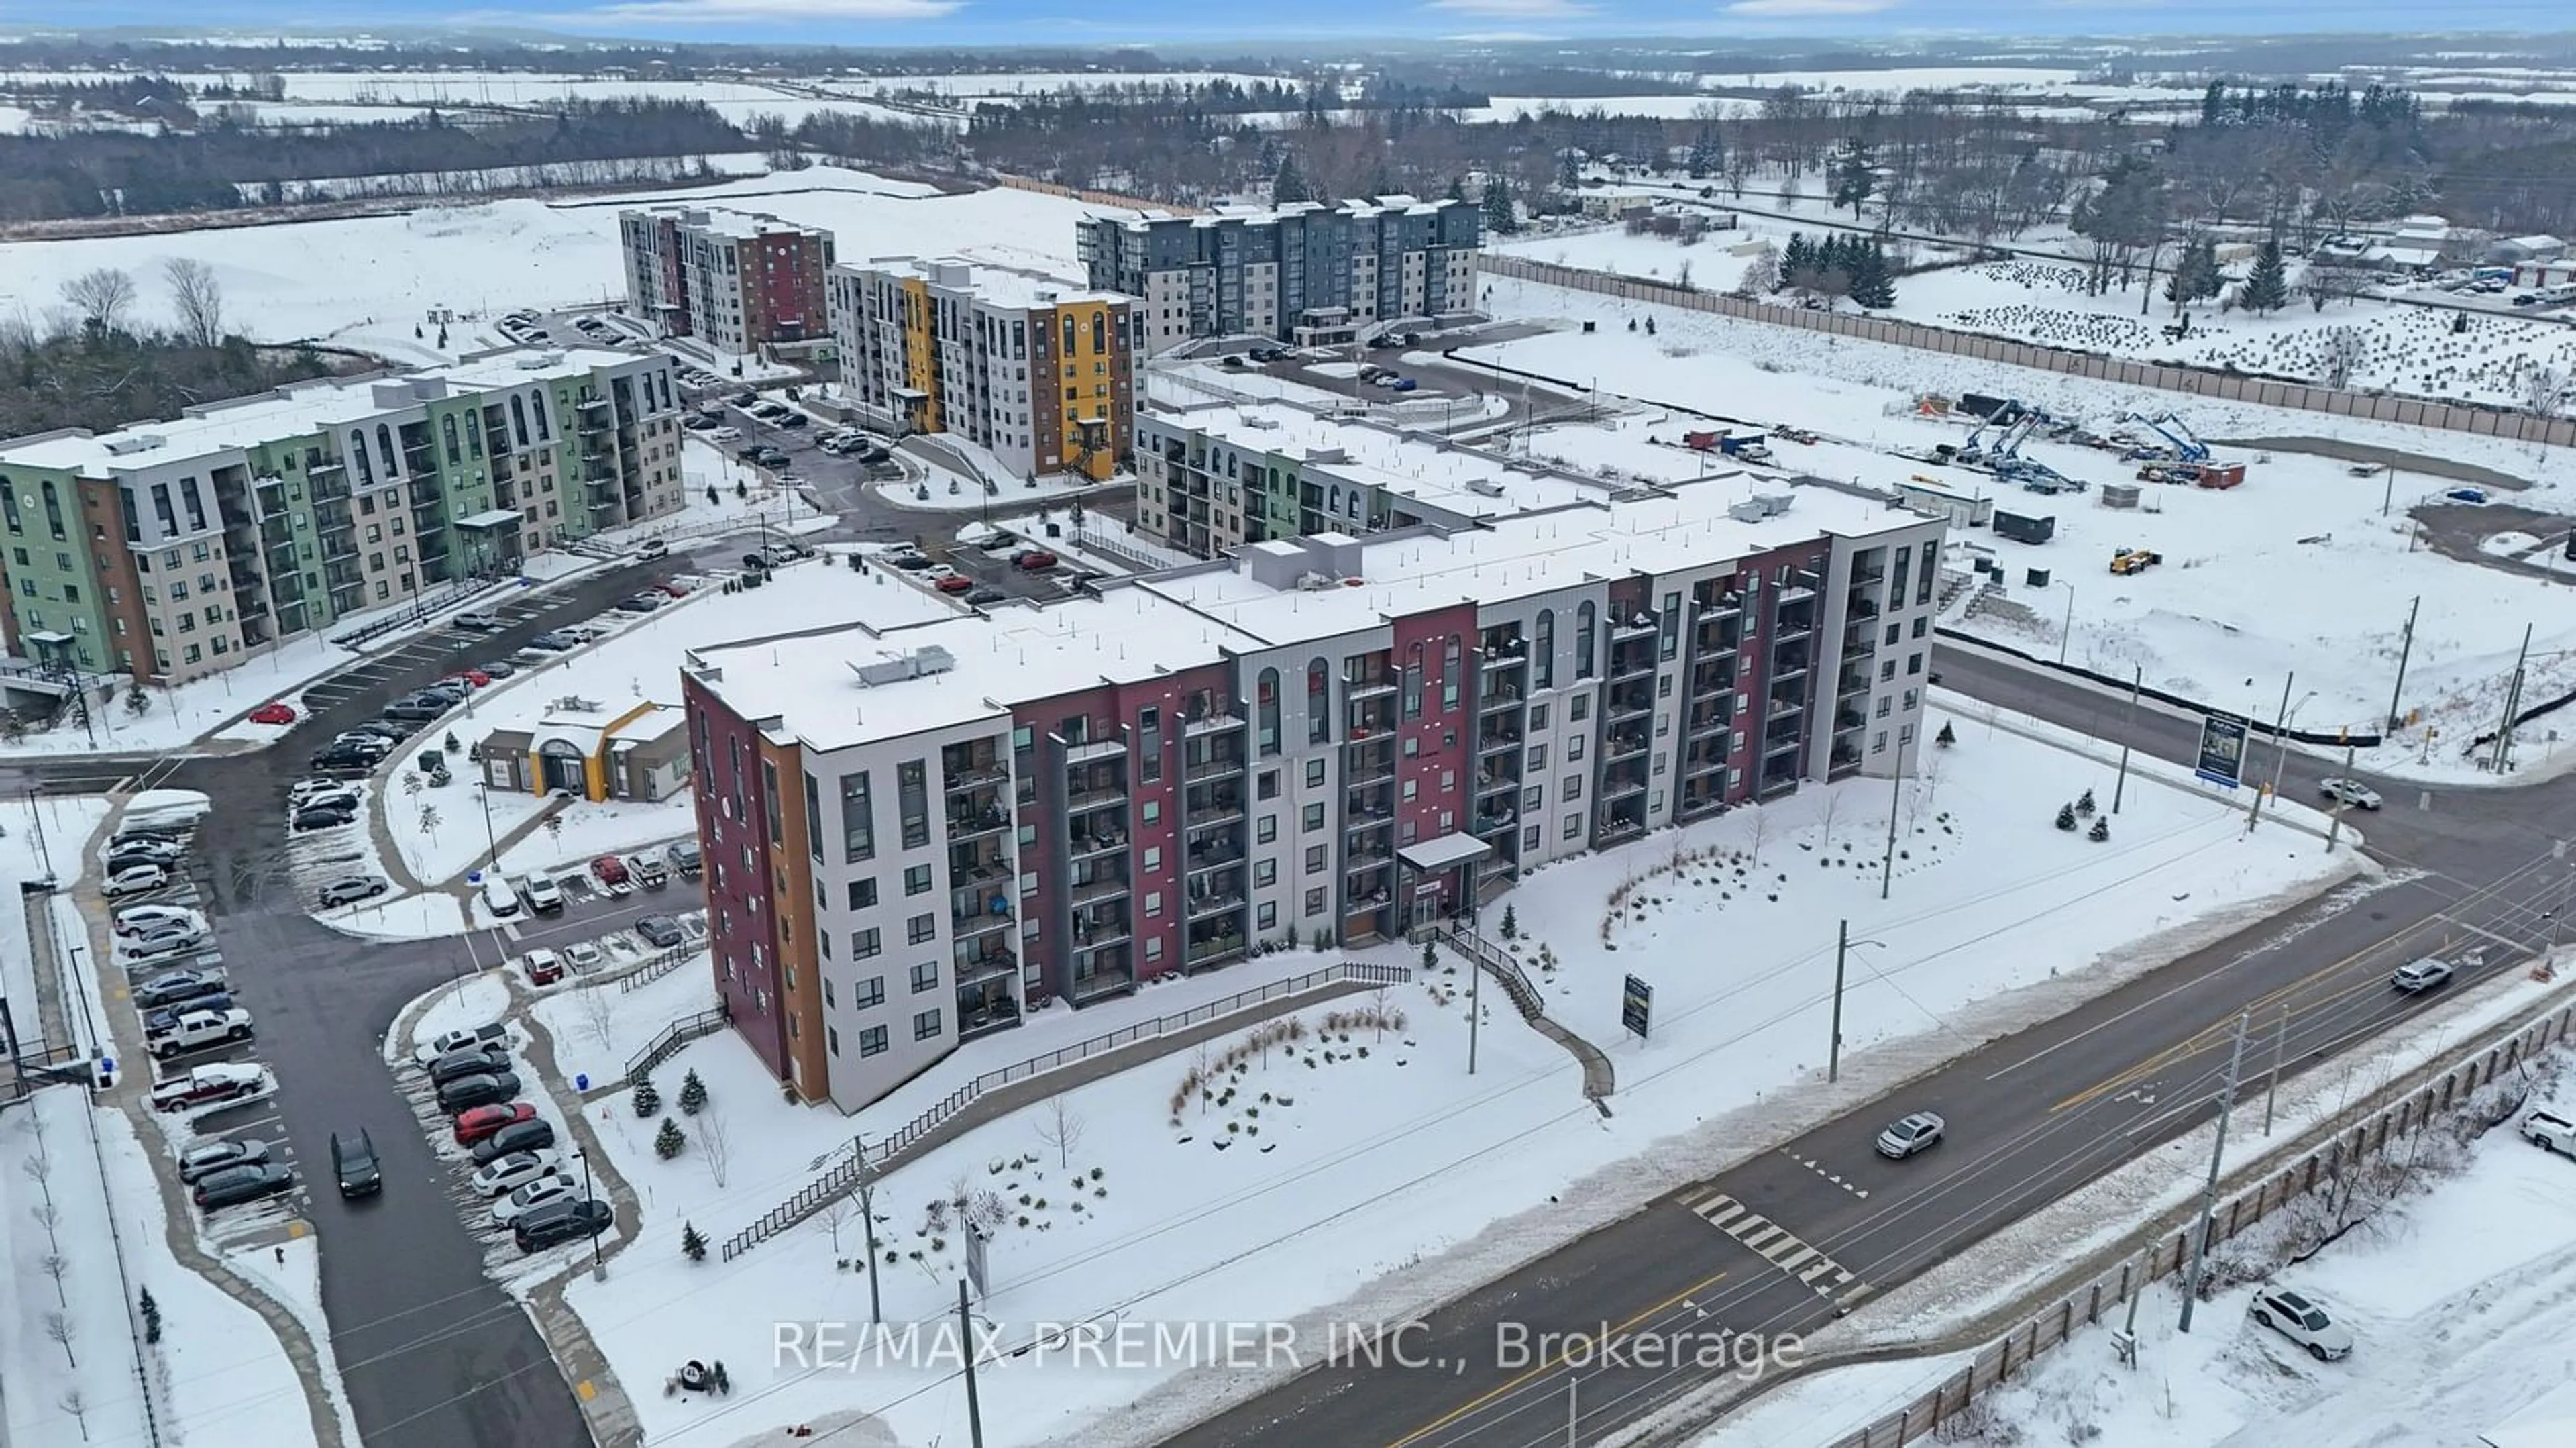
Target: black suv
{"type": "Point", "coordinates": [559, 1222]}
{"type": "Point", "coordinates": [533, 1135]}
{"type": "Point", "coordinates": [354, 1158]}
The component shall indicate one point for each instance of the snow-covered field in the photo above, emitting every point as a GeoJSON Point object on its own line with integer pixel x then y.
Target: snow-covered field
{"type": "Point", "coordinates": [2215, 621]}
{"type": "Point", "coordinates": [368, 281]}
{"type": "Point", "coordinates": [1269, 1186]}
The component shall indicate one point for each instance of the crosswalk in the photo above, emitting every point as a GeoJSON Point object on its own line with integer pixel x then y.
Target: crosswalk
{"type": "Point", "coordinates": [1778, 1246]}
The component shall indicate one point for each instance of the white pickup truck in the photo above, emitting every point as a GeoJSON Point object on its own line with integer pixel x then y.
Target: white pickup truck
{"type": "Point", "coordinates": [2556, 1133]}
{"type": "Point", "coordinates": [199, 1030]}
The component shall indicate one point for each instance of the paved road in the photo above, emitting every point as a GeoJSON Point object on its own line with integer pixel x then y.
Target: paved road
{"type": "Point", "coordinates": [1778, 1245]}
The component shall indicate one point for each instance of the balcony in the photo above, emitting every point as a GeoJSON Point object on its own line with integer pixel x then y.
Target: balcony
{"type": "Point", "coordinates": [1780, 744]}
{"type": "Point", "coordinates": [1622, 827]}
{"type": "Point", "coordinates": [1210, 724]}
{"type": "Point", "coordinates": [1497, 700]}
{"type": "Point", "coordinates": [1632, 661]}
{"type": "Point", "coordinates": [1092, 982]}
{"type": "Point", "coordinates": [1090, 750]}
{"type": "Point", "coordinates": [1090, 933]}
{"type": "Point", "coordinates": [1497, 781]}
{"type": "Point", "coordinates": [1625, 785]}
{"type": "Point", "coordinates": [1625, 743]}
{"type": "Point", "coordinates": [1629, 703]}
{"type": "Point", "coordinates": [1215, 902]}
{"type": "Point", "coordinates": [1495, 741]}
{"type": "Point", "coordinates": [1639, 625]}
{"type": "Point", "coordinates": [1211, 949]}
{"type": "Point", "coordinates": [977, 923]}
{"type": "Point", "coordinates": [966, 774]}
{"type": "Point", "coordinates": [1090, 794]}
{"type": "Point", "coordinates": [1791, 630]}
{"type": "Point", "coordinates": [1367, 686]}
{"type": "Point", "coordinates": [1486, 824]}
{"type": "Point", "coordinates": [1105, 887]}
{"type": "Point", "coordinates": [1217, 766]}
{"type": "Point", "coordinates": [1789, 669]}
{"type": "Point", "coordinates": [999, 1013]}
{"type": "Point", "coordinates": [1090, 844]}
{"type": "Point", "coordinates": [970, 824]}
{"type": "Point", "coordinates": [1857, 639]}
{"type": "Point", "coordinates": [1712, 715]}
{"type": "Point", "coordinates": [967, 868]}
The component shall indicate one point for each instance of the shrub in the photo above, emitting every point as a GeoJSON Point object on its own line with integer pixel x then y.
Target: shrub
{"type": "Point", "coordinates": [668, 1142]}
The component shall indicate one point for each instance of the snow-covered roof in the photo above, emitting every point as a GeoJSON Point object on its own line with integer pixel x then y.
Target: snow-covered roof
{"type": "Point", "coordinates": [295, 410]}
{"type": "Point", "coordinates": [2548, 1421]}
{"type": "Point", "coordinates": [1456, 480]}
{"type": "Point", "coordinates": [998, 286]}
{"type": "Point", "coordinates": [2537, 241]}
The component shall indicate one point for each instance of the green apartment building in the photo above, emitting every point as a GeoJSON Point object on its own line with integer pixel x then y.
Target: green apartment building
{"type": "Point", "coordinates": [170, 550]}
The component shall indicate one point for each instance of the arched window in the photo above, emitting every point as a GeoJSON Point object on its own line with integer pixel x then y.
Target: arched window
{"type": "Point", "coordinates": [1583, 640]}
{"type": "Point", "coordinates": [447, 433]}
{"type": "Point", "coordinates": [519, 420]}
{"type": "Point", "coordinates": [1319, 703]}
{"type": "Point", "coordinates": [1266, 711]}
{"type": "Point", "coordinates": [385, 450]}
{"type": "Point", "coordinates": [537, 407]}
{"type": "Point", "coordinates": [1451, 676]}
{"type": "Point", "coordinates": [1413, 682]}
{"type": "Point", "coordinates": [1544, 652]}
{"type": "Point", "coordinates": [358, 455]}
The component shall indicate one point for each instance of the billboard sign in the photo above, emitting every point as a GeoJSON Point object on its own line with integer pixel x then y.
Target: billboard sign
{"type": "Point", "coordinates": [1636, 1005]}
{"type": "Point", "coordinates": [2222, 750]}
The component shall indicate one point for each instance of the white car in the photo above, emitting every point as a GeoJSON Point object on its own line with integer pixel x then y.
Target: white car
{"type": "Point", "coordinates": [1910, 1134]}
{"type": "Point", "coordinates": [480, 621]}
{"type": "Point", "coordinates": [515, 1171]}
{"type": "Point", "coordinates": [935, 573]}
{"type": "Point", "coordinates": [2418, 976]}
{"type": "Point", "coordinates": [2303, 1320]}
{"type": "Point", "coordinates": [541, 893]}
{"type": "Point", "coordinates": [2349, 791]}
{"type": "Point", "coordinates": [584, 956]}
{"type": "Point", "coordinates": [2553, 1132]}
{"type": "Point", "coordinates": [726, 433]}
{"type": "Point", "coordinates": [171, 941]}
{"type": "Point", "coordinates": [532, 1196]}
{"type": "Point", "coordinates": [134, 880]}
{"type": "Point", "coordinates": [145, 919]}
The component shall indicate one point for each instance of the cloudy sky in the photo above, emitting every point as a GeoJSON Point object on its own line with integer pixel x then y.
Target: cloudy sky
{"type": "Point", "coordinates": [1066, 22]}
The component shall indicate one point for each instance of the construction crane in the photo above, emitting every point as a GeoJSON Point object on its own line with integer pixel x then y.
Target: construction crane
{"type": "Point", "coordinates": [2001, 421]}
{"type": "Point", "coordinates": [2187, 447]}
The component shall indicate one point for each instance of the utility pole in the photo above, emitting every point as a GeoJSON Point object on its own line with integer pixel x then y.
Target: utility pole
{"type": "Point", "coordinates": [1573, 1409]}
{"type": "Point", "coordinates": [1895, 801]}
{"type": "Point", "coordinates": [1834, 1053]}
{"type": "Point", "coordinates": [2405, 647]}
{"type": "Point", "coordinates": [2280, 1047]}
{"type": "Point", "coordinates": [966, 1332]}
{"type": "Point", "coordinates": [2280, 721]}
{"type": "Point", "coordinates": [2503, 755]}
{"type": "Point", "coordinates": [867, 1189]}
{"type": "Point", "coordinates": [2208, 1196]}
{"type": "Point", "coordinates": [1475, 1013]}
{"type": "Point", "coordinates": [2066, 635]}
{"type": "Point", "coordinates": [2334, 825]}
{"type": "Point", "coordinates": [2389, 495]}
{"type": "Point", "coordinates": [2128, 726]}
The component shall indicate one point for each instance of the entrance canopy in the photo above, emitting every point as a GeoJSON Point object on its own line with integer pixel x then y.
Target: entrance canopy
{"type": "Point", "coordinates": [1447, 852]}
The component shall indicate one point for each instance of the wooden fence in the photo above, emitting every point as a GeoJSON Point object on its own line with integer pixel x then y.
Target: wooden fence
{"type": "Point", "coordinates": [2052, 1325]}
{"type": "Point", "coordinates": [2480, 421]}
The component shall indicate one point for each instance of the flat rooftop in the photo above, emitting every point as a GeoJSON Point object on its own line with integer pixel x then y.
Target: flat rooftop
{"type": "Point", "coordinates": [292, 411]}
{"type": "Point", "coordinates": [999, 286]}
{"type": "Point", "coordinates": [1410, 465]}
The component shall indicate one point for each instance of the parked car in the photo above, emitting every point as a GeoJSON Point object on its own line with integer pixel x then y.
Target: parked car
{"type": "Point", "coordinates": [2349, 791]}
{"type": "Point", "coordinates": [725, 434]}
{"type": "Point", "coordinates": [525, 1134]}
{"type": "Point", "coordinates": [209, 1086]}
{"type": "Point", "coordinates": [685, 858]}
{"type": "Point", "coordinates": [273, 713]}
{"type": "Point", "coordinates": [609, 870]}
{"type": "Point", "coordinates": [955, 583]}
{"type": "Point", "coordinates": [2418, 976]}
{"type": "Point", "coordinates": [652, 548]}
{"type": "Point", "coordinates": [521, 1200]}
{"type": "Point", "coordinates": [330, 817]}
{"type": "Point", "coordinates": [343, 798]}
{"type": "Point", "coordinates": [143, 919]}
{"type": "Point", "coordinates": [350, 889]}
{"type": "Point", "coordinates": [462, 1039]}
{"type": "Point", "coordinates": [909, 562]}
{"type": "Point", "coordinates": [176, 987]}
{"type": "Point", "coordinates": [133, 880]}
{"type": "Point", "coordinates": [481, 1123]}
{"type": "Point", "coordinates": [553, 643]}
{"type": "Point", "coordinates": [1920, 1131]}
{"type": "Point", "coordinates": [198, 1030]}
{"type": "Point", "coordinates": [162, 944]}
{"type": "Point", "coordinates": [423, 706]}
{"type": "Point", "coordinates": [542, 894]}
{"type": "Point", "coordinates": [468, 1092]}
{"type": "Point", "coordinates": [206, 1158]}
{"type": "Point", "coordinates": [144, 850]}
{"type": "Point", "coordinates": [480, 621]}
{"type": "Point", "coordinates": [584, 956]}
{"type": "Point", "coordinates": [2552, 1132]}
{"type": "Point", "coordinates": [514, 1171]}
{"type": "Point", "coordinates": [238, 1184]}
{"type": "Point", "coordinates": [560, 1222]}
{"type": "Point", "coordinates": [499, 668]}
{"type": "Point", "coordinates": [544, 967]}
{"type": "Point", "coordinates": [347, 763]}
{"type": "Point", "coordinates": [471, 678]}
{"type": "Point", "coordinates": [484, 1060]}
{"type": "Point", "coordinates": [447, 693]}
{"type": "Point", "coordinates": [1036, 560]}
{"type": "Point", "coordinates": [166, 1019]}
{"type": "Point", "coordinates": [792, 419]}
{"type": "Point", "coordinates": [353, 1159]}
{"type": "Point", "coordinates": [2303, 1320]}
{"type": "Point", "coordinates": [660, 931]}
{"type": "Point", "coordinates": [648, 871]}
{"type": "Point", "coordinates": [640, 603]}
{"type": "Point", "coordinates": [982, 594]}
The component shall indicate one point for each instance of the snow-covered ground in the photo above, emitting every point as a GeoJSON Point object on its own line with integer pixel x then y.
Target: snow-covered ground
{"type": "Point", "coordinates": [1990, 898]}
{"type": "Point", "coordinates": [2214, 621]}
{"type": "Point", "coordinates": [368, 281]}
{"type": "Point", "coordinates": [597, 1029]}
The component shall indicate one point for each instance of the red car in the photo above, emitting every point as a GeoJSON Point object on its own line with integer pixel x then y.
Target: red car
{"type": "Point", "coordinates": [1036, 560]}
{"type": "Point", "coordinates": [475, 677]}
{"type": "Point", "coordinates": [273, 713]}
{"type": "Point", "coordinates": [955, 583]}
{"type": "Point", "coordinates": [610, 869]}
{"type": "Point", "coordinates": [476, 1123]}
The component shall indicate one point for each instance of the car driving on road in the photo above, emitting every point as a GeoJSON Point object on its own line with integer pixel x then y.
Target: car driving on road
{"type": "Point", "coordinates": [1907, 1135]}
{"type": "Point", "coordinates": [2418, 976]}
{"type": "Point", "coordinates": [2349, 791]}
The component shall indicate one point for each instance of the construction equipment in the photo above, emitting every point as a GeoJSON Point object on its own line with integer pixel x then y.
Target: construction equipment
{"type": "Point", "coordinates": [2025, 529]}
{"type": "Point", "coordinates": [2186, 447]}
{"type": "Point", "coordinates": [2134, 560]}
{"type": "Point", "coordinates": [1749, 448]}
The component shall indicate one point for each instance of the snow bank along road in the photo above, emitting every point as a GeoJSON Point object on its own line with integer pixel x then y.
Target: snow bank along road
{"type": "Point", "coordinates": [1790, 1238]}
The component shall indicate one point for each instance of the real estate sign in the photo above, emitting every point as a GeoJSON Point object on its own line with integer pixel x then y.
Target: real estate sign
{"type": "Point", "coordinates": [2222, 750]}
{"type": "Point", "coordinates": [1636, 1005]}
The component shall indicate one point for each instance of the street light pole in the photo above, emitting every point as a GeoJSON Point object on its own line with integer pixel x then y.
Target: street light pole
{"type": "Point", "coordinates": [2128, 727]}
{"type": "Point", "coordinates": [2066, 634]}
{"type": "Point", "coordinates": [2209, 1194]}
{"type": "Point", "coordinates": [2405, 646]}
{"type": "Point", "coordinates": [2280, 747]}
{"type": "Point", "coordinates": [1834, 1052]}
{"type": "Point", "coordinates": [598, 1263]}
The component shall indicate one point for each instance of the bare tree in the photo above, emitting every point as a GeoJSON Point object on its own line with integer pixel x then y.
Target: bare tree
{"type": "Point", "coordinates": [101, 298]}
{"type": "Point", "coordinates": [2544, 392]}
{"type": "Point", "coordinates": [596, 1008]}
{"type": "Point", "coordinates": [76, 1403]}
{"type": "Point", "coordinates": [1761, 827]}
{"type": "Point", "coordinates": [834, 1215]}
{"type": "Point", "coordinates": [1761, 272]}
{"type": "Point", "coordinates": [60, 1327]}
{"type": "Point", "coordinates": [54, 1265]}
{"type": "Point", "coordinates": [713, 1142]}
{"type": "Point", "coordinates": [2345, 348]}
{"type": "Point", "coordinates": [1833, 806]}
{"type": "Point", "coordinates": [199, 299]}
{"type": "Point", "coordinates": [1061, 1127]}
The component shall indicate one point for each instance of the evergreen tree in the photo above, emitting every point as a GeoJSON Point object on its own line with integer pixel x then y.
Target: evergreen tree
{"type": "Point", "coordinates": [2084, 805]}
{"type": "Point", "coordinates": [668, 1142]}
{"type": "Point", "coordinates": [693, 1244]}
{"type": "Point", "coordinates": [1873, 286]}
{"type": "Point", "coordinates": [2066, 817]}
{"type": "Point", "coordinates": [647, 1101]}
{"type": "Point", "coordinates": [1798, 262]}
{"type": "Point", "coordinates": [1707, 152]}
{"type": "Point", "coordinates": [1569, 170]}
{"type": "Point", "coordinates": [1947, 737]}
{"type": "Point", "coordinates": [1855, 176]}
{"type": "Point", "coordinates": [2101, 829]}
{"type": "Point", "coordinates": [1289, 185]}
{"type": "Point", "coordinates": [1511, 923]}
{"type": "Point", "coordinates": [693, 1092]}
{"type": "Point", "coordinates": [1500, 217]}
{"type": "Point", "coordinates": [1457, 189]}
{"type": "Point", "coordinates": [2267, 287]}
{"type": "Point", "coordinates": [1430, 957]}
{"type": "Point", "coordinates": [151, 1316]}
{"type": "Point", "coordinates": [2213, 102]}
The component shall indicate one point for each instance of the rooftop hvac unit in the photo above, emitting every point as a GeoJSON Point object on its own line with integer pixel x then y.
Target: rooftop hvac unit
{"type": "Point", "coordinates": [1314, 582]}
{"type": "Point", "coordinates": [917, 663]}
{"type": "Point", "coordinates": [1773, 504]}
{"type": "Point", "coordinates": [126, 444]}
{"type": "Point", "coordinates": [1486, 486]}
{"type": "Point", "coordinates": [1749, 511]}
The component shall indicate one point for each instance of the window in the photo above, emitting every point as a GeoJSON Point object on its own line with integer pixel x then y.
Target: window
{"type": "Point", "coordinates": [1884, 704]}
{"type": "Point", "coordinates": [1267, 786]}
{"type": "Point", "coordinates": [1573, 788]}
{"type": "Point", "coordinates": [1269, 916]}
{"type": "Point", "coordinates": [1266, 829]}
{"type": "Point", "coordinates": [1878, 742]}
{"type": "Point", "coordinates": [1672, 625]}
{"type": "Point", "coordinates": [1265, 872]}
{"type": "Point", "coordinates": [1922, 626]}
{"type": "Point", "coordinates": [921, 927]}
{"type": "Point", "coordinates": [925, 1024]}
{"type": "Point", "coordinates": [872, 1041]}
{"type": "Point", "coordinates": [1153, 902]}
{"type": "Point", "coordinates": [1573, 748]}
{"type": "Point", "coordinates": [1413, 684]}
{"type": "Point", "coordinates": [1314, 903]}
{"type": "Point", "coordinates": [1149, 744]}
{"type": "Point", "coordinates": [1314, 819]}
{"type": "Point", "coordinates": [912, 794]}
{"type": "Point", "coordinates": [858, 824]}
{"type": "Point", "coordinates": [1543, 664]}
{"type": "Point", "coordinates": [1314, 774]}
{"type": "Point", "coordinates": [1573, 825]}
{"type": "Point", "coordinates": [1319, 705]}
{"type": "Point", "coordinates": [1265, 714]}
{"type": "Point", "coordinates": [1893, 634]}
{"type": "Point", "coordinates": [1538, 756]}
{"type": "Point", "coordinates": [1583, 621]}
{"type": "Point", "coordinates": [832, 1038]}
{"type": "Point", "coordinates": [1579, 709]}
{"type": "Point", "coordinates": [869, 992]}
{"type": "Point", "coordinates": [813, 817]}
{"type": "Point", "coordinates": [1153, 811]}
{"type": "Point", "coordinates": [864, 943]}
{"type": "Point", "coordinates": [769, 802]}
{"type": "Point", "coordinates": [925, 976]}
{"type": "Point", "coordinates": [1537, 717]}
{"type": "Point", "coordinates": [916, 879]}
{"type": "Point", "coordinates": [1914, 663]}
{"type": "Point", "coordinates": [1315, 855]}
{"type": "Point", "coordinates": [863, 894]}
{"type": "Point", "coordinates": [1911, 695]}
{"type": "Point", "coordinates": [1887, 671]}
{"type": "Point", "coordinates": [1923, 579]}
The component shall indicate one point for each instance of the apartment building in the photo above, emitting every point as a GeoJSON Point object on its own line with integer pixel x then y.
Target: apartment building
{"type": "Point", "coordinates": [1213, 477]}
{"type": "Point", "coordinates": [916, 833]}
{"type": "Point", "coordinates": [1041, 374]}
{"type": "Point", "coordinates": [168, 550]}
{"type": "Point", "coordinates": [737, 281]}
{"type": "Point", "coordinates": [1306, 273]}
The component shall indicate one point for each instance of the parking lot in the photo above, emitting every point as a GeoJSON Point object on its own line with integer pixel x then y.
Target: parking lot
{"type": "Point", "coordinates": [447, 648]}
